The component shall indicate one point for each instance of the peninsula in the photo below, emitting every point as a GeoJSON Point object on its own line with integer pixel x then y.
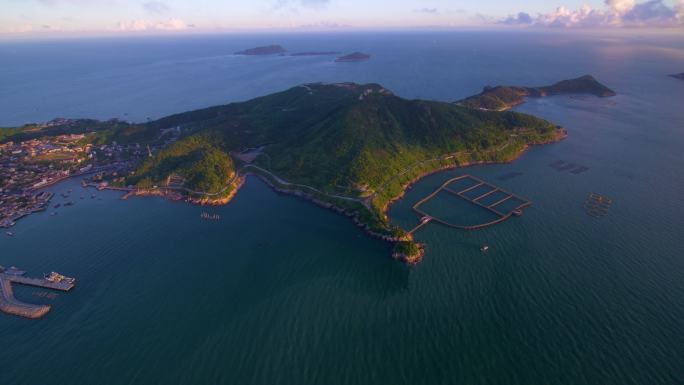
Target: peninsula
{"type": "Point", "coordinates": [353, 57]}
{"type": "Point", "coordinates": [352, 148]}
{"type": "Point", "coordinates": [273, 49]}
{"type": "Point", "coordinates": [678, 76]}
{"type": "Point", "coordinates": [502, 98]}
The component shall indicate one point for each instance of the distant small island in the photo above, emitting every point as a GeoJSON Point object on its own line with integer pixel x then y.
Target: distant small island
{"type": "Point", "coordinates": [354, 57]}
{"type": "Point", "coordinates": [678, 76]}
{"type": "Point", "coordinates": [501, 98]}
{"type": "Point", "coordinates": [314, 53]}
{"type": "Point", "coordinates": [273, 49]}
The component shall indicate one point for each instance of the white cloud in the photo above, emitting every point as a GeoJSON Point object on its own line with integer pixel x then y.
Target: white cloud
{"type": "Point", "coordinates": [616, 13]}
{"type": "Point", "coordinates": [172, 24]}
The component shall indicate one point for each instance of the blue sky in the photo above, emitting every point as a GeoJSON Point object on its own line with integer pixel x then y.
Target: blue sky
{"type": "Point", "coordinates": [85, 16]}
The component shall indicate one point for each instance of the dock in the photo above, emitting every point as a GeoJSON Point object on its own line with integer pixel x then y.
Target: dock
{"type": "Point", "coordinates": [10, 305]}
{"type": "Point", "coordinates": [494, 207]}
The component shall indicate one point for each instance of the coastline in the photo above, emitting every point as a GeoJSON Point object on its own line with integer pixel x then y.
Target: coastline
{"type": "Point", "coordinates": [560, 135]}
{"type": "Point", "coordinates": [173, 195]}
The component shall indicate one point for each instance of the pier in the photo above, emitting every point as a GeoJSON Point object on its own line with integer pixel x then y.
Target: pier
{"type": "Point", "coordinates": [495, 207]}
{"type": "Point", "coordinates": [10, 305]}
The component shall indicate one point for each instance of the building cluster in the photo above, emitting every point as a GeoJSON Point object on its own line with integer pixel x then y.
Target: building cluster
{"type": "Point", "coordinates": [28, 166]}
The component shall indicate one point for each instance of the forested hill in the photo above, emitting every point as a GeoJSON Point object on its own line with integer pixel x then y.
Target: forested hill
{"type": "Point", "coordinates": [504, 97]}
{"type": "Point", "coordinates": [344, 138]}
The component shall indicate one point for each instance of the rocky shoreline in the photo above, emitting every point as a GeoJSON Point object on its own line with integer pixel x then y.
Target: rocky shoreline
{"type": "Point", "coordinates": [408, 259]}
{"type": "Point", "coordinates": [327, 205]}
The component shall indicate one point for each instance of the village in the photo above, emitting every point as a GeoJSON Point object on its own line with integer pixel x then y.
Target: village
{"type": "Point", "coordinates": [29, 166]}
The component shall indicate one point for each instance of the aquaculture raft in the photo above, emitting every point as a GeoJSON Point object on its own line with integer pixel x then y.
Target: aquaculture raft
{"type": "Point", "coordinates": [495, 207]}
{"type": "Point", "coordinates": [597, 205]}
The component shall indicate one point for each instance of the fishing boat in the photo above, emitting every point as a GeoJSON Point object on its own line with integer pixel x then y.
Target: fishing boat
{"type": "Point", "coordinates": [9, 234]}
{"type": "Point", "coordinates": [484, 248]}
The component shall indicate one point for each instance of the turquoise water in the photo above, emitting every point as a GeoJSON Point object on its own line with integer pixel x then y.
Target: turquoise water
{"type": "Point", "coordinates": [282, 292]}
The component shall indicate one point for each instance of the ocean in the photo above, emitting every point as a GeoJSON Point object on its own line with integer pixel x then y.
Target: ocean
{"type": "Point", "coordinates": [280, 291]}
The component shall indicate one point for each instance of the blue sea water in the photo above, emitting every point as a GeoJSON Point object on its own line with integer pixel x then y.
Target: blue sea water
{"type": "Point", "coordinates": [282, 292]}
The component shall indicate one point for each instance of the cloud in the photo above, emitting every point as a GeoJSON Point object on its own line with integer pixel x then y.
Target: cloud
{"type": "Point", "coordinates": [155, 7]}
{"type": "Point", "coordinates": [172, 24]}
{"type": "Point", "coordinates": [615, 13]}
{"type": "Point", "coordinates": [520, 18]}
{"type": "Point", "coordinates": [430, 11]}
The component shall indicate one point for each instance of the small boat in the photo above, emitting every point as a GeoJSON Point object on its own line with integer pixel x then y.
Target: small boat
{"type": "Point", "coordinates": [484, 248]}
{"type": "Point", "coordinates": [57, 205]}
{"type": "Point", "coordinates": [517, 212]}
{"type": "Point", "coordinates": [9, 234]}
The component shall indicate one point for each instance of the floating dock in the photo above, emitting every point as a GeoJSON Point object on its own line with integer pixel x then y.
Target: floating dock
{"type": "Point", "coordinates": [477, 183]}
{"type": "Point", "coordinates": [10, 305]}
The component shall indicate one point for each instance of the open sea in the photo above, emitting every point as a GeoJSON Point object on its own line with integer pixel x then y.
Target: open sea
{"type": "Point", "coordinates": [280, 291]}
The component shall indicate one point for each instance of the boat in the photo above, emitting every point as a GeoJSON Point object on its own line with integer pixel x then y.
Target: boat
{"type": "Point", "coordinates": [57, 205]}
{"type": "Point", "coordinates": [9, 234]}
{"type": "Point", "coordinates": [56, 277]}
{"type": "Point", "coordinates": [517, 212]}
{"type": "Point", "coordinates": [70, 203]}
{"type": "Point", "coordinates": [484, 248]}
{"type": "Point", "coordinates": [52, 214]}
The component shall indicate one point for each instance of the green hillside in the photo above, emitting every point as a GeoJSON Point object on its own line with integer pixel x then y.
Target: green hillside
{"type": "Point", "coordinates": [504, 97]}
{"type": "Point", "coordinates": [348, 145]}
{"type": "Point", "coordinates": [343, 140]}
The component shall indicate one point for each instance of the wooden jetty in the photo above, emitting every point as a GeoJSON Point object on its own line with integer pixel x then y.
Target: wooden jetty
{"type": "Point", "coordinates": [478, 183]}
{"type": "Point", "coordinates": [10, 305]}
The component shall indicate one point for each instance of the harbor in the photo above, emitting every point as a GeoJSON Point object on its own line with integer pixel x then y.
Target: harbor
{"type": "Point", "coordinates": [11, 305]}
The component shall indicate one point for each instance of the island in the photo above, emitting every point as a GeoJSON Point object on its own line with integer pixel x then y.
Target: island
{"type": "Point", "coordinates": [353, 57]}
{"type": "Point", "coordinates": [502, 98]}
{"type": "Point", "coordinates": [351, 148]}
{"type": "Point", "coordinates": [273, 49]}
{"type": "Point", "coordinates": [678, 76]}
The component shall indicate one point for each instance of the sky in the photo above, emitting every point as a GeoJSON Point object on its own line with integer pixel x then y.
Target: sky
{"type": "Point", "coordinates": [159, 16]}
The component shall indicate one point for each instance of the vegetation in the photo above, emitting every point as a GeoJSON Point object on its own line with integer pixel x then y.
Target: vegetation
{"type": "Point", "coordinates": [202, 164]}
{"type": "Point", "coordinates": [100, 131]}
{"type": "Point", "coordinates": [503, 97]}
{"type": "Point", "coordinates": [353, 146]}
{"type": "Point", "coordinates": [342, 139]}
